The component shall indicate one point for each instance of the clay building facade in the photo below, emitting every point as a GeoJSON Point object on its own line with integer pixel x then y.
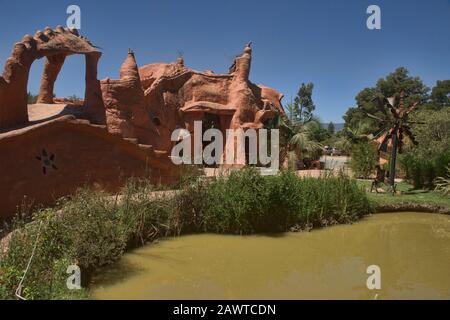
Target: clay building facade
{"type": "Point", "coordinates": [124, 127]}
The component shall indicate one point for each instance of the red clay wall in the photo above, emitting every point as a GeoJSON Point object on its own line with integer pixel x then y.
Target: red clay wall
{"type": "Point", "coordinates": [77, 154]}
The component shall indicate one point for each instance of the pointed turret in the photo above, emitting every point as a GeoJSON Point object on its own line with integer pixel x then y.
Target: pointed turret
{"type": "Point", "coordinates": [243, 63]}
{"type": "Point", "coordinates": [129, 67]}
{"type": "Point", "coordinates": [180, 61]}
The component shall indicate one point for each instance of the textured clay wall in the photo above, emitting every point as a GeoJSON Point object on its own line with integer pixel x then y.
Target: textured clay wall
{"type": "Point", "coordinates": [50, 160]}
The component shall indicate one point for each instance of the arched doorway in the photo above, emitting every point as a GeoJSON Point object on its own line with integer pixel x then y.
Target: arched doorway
{"type": "Point", "coordinates": [210, 121]}
{"type": "Point", "coordinates": [56, 92]}
{"type": "Point", "coordinates": [56, 45]}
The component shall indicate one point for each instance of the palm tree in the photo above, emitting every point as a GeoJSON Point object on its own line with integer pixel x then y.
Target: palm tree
{"type": "Point", "coordinates": [298, 138]}
{"type": "Point", "coordinates": [394, 126]}
{"type": "Point", "coordinates": [349, 136]}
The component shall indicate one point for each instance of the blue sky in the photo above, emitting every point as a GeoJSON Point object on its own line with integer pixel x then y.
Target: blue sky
{"type": "Point", "coordinates": [321, 41]}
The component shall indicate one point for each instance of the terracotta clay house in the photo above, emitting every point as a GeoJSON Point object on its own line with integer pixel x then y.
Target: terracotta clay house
{"type": "Point", "coordinates": [123, 129]}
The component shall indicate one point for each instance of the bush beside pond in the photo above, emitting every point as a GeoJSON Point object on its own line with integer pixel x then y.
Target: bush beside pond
{"type": "Point", "coordinates": [93, 229]}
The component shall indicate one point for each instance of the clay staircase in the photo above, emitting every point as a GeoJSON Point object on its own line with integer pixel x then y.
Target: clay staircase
{"type": "Point", "coordinates": [134, 141]}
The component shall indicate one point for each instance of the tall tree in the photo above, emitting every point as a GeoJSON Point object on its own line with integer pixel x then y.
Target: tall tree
{"type": "Point", "coordinates": [440, 95]}
{"type": "Point", "coordinates": [291, 112]}
{"type": "Point", "coordinates": [303, 104]}
{"type": "Point", "coordinates": [394, 83]}
{"type": "Point", "coordinates": [331, 128]}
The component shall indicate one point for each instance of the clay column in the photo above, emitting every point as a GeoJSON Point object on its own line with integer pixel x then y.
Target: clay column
{"type": "Point", "coordinates": [93, 96]}
{"type": "Point", "coordinates": [52, 67]}
{"type": "Point", "coordinates": [13, 86]}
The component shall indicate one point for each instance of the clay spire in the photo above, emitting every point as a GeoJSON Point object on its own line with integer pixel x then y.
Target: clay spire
{"type": "Point", "coordinates": [242, 65]}
{"type": "Point", "coordinates": [129, 67]}
{"type": "Point", "coordinates": [248, 49]}
{"type": "Point", "coordinates": [180, 61]}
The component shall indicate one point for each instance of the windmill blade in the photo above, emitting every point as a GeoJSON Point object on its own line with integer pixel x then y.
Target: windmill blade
{"type": "Point", "coordinates": [416, 122]}
{"type": "Point", "coordinates": [391, 101]}
{"type": "Point", "coordinates": [391, 105]}
{"type": "Point", "coordinates": [400, 133]}
{"type": "Point", "coordinates": [374, 117]}
{"type": "Point", "coordinates": [412, 108]}
{"type": "Point", "coordinates": [379, 132]}
{"type": "Point", "coordinates": [384, 143]}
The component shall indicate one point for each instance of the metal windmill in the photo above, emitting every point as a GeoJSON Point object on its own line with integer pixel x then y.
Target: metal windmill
{"type": "Point", "coordinates": [394, 127]}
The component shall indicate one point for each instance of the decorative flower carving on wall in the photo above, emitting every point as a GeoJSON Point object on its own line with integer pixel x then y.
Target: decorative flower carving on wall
{"type": "Point", "coordinates": [47, 160]}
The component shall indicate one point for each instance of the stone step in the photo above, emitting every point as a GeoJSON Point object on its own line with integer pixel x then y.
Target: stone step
{"type": "Point", "coordinates": [100, 126]}
{"type": "Point", "coordinates": [161, 154]}
{"type": "Point", "coordinates": [132, 140]}
{"type": "Point", "coordinates": [146, 147]}
{"type": "Point", "coordinates": [83, 121]}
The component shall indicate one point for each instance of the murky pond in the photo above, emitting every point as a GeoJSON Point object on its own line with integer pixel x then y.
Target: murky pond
{"type": "Point", "coordinates": [412, 250]}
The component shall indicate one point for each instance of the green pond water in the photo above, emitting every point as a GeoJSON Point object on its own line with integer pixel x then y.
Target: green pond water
{"type": "Point", "coordinates": [411, 249]}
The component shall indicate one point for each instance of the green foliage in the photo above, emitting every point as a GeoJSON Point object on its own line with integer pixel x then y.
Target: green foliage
{"type": "Point", "coordinates": [443, 183]}
{"type": "Point", "coordinates": [433, 133]}
{"type": "Point", "coordinates": [301, 110]}
{"type": "Point", "coordinates": [32, 99]}
{"type": "Point", "coordinates": [423, 163]}
{"type": "Point", "coordinates": [93, 229]}
{"type": "Point", "coordinates": [301, 139]}
{"type": "Point", "coordinates": [46, 278]}
{"type": "Point", "coordinates": [318, 133]}
{"type": "Point", "coordinates": [246, 202]}
{"type": "Point", "coordinates": [429, 159]}
{"type": "Point", "coordinates": [409, 197]}
{"type": "Point", "coordinates": [74, 97]}
{"type": "Point", "coordinates": [237, 203]}
{"type": "Point", "coordinates": [440, 95]}
{"type": "Point", "coordinates": [399, 81]}
{"type": "Point", "coordinates": [341, 141]}
{"type": "Point", "coordinates": [364, 159]}
{"type": "Point", "coordinates": [306, 137]}
{"type": "Point", "coordinates": [391, 85]}
{"type": "Point", "coordinates": [331, 128]}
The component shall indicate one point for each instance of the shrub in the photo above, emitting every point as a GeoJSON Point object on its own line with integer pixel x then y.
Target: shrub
{"type": "Point", "coordinates": [429, 159]}
{"type": "Point", "coordinates": [422, 171]}
{"type": "Point", "coordinates": [46, 278]}
{"type": "Point", "coordinates": [443, 183]}
{"type": "Point", "coordinates": [364, 159]}
{"type": "Point", "coordinates": [246, 202]}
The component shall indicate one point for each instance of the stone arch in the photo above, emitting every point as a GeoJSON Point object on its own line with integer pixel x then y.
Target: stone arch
{"type": "Point", "coordinates": [55, 45]}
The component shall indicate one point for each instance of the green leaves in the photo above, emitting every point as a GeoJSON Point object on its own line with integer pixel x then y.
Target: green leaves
{"type": "Point", "coordinates": [301, 110]}
{"type": "Point", "coordinates": [443, 183]}
{"type": "Point", "coordinates": [364, 159]}
{"type": "Point", "coordinates": [391, 85]}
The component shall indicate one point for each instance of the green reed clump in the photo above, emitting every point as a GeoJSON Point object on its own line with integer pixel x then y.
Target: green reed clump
{"type": "Point", "coordinates": [144, 214]}
{"type": "Point", "coordinates": [93, 229]}
{"type": "Point", "coordinates": [237, 203]}
{"type": "Point", "coordinates": [246, 202]}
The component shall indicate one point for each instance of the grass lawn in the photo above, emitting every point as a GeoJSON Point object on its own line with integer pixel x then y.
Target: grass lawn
{"type": "Point", "coordinates": [408, 195]}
